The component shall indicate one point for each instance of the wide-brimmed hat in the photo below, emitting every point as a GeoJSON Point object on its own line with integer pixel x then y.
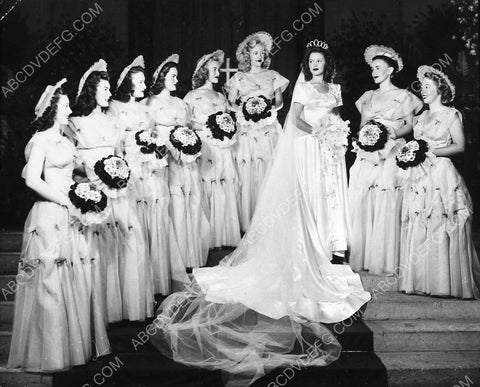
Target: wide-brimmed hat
{"type": "Point", "coordinates": [264, 37]}
{"type": "Point", "coordinates": [46, 98]}
{"type": "Point", "coordinates": [172, 58]}
{"type": "Point", "coordinates": [378, 50]}
{"type": "Point", "coordinates": [137, 62]}
{"type": "Point", "coordinates": [99, 65]}
{"type": "Point", "coordinates": [422, 70]}
{"type": "Point", "coordinates": [218, 55]}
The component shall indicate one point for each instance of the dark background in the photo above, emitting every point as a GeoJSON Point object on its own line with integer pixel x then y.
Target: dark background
{"type": "Point", "coordinates": [423, 32]}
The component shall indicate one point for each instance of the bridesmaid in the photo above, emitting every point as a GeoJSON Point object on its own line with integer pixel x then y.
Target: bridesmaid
{"type": "Point", "coordinates": [191, 226]}
{"type": "Point", "coordinates": [374, 191]}
{"type": "Point", "coordinates": [437, 252]}
{"type": "Point", "coordinates": [128, 272]}
{"type": "Point", "coordinates": [147, 189]}
{"type": "Point", "coordinates": [257, 140]}
{"type": "Point", "coordinates": [52, 324]}
{"type": "Point", "coordinates": [217, 165]}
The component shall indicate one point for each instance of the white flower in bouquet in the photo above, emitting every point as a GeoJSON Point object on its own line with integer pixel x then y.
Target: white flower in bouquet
{"type": "Point", "coordinates": [369, 134]}
{"type": "Point", "coordinates": [116, 167]}
{"type": "Point", "coordinates": [225, 122]}
{"type": "Point", "coordinates": [255, 105]}
{"type": "Point", "coordinates": [185, 136]}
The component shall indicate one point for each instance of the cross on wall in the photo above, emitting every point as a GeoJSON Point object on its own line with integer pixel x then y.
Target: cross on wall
{"type": "Point", "coordinates": [228, 70]}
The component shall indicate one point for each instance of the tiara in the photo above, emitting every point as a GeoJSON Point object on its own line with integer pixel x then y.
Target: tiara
{"type": "Point", "coordinates": [318, 43]}
{"type": "Point", "coordinates": [422, 70]}
{"type": "Point", "coordinates": [100, 65]}
{"type": "Point", "coordinates": [46, 98]}
{"type": "Point", "coordinates": [138, 61]}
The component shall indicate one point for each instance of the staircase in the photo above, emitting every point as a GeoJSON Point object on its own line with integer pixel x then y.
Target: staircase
{"type": "Point", "coordinates": [409, 340]}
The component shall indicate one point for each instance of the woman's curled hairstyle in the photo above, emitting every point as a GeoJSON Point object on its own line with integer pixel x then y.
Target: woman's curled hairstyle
{"type": "Point", "coordinates": [86, 101]}
{"type": "Point", "coordinates": [329, 72]}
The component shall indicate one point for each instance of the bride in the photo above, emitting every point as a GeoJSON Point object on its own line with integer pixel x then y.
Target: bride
{"type": "Point", "coordinates": [264, 305]}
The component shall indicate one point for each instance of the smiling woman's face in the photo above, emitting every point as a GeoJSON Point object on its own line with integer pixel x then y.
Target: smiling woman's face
{"type": "Point", "coordinates": [103, 93]}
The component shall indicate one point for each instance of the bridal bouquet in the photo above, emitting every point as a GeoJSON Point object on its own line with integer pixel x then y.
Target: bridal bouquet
{"type": "Point", "coordinates": [412, 154]}
{"type": "Point", "coordinates": [332, 132]}
{"type": "Point", "coordinates": [184, 144]}
{"type": "Point", "coordinates": [372, 136]}
{"type": "Point", "coordinates": [150, 145]}
{"type": "Point", "coordinates": [257, 111]}
{"type": "Point", "coordinates": [89, 203]}
{"type": "Point", "coordinates": [113, 171]}
{"type": "Point", "coordinates": [221, 128]}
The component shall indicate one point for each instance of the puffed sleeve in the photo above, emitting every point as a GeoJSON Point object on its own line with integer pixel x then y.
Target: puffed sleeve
{"type": "Point", "coordinates": [300, 93]}
{"type": "Point", "coordinates": [113, 109]}
{"type": "Point", "coordinates": [34, 142]}
{"type": "Point", "coordinates": [362, 100]}
{"type": "Point", "coordinates": [279, 81]}
{"type": "Point", "coordinates": [70, 130]}
{"type": "Point", "coordinates": [411, 104]}
{"type": "Point", "coordinates": [234, 82]}
{"type": "Point", "coordinates": [337, 92]}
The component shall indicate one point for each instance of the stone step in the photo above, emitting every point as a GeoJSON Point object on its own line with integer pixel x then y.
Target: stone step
{"type": "Point", "coordinates": [5, 338]}
{"type": "Point", "coordinates": [148, 369]}
{"type": "Point", "coordinates": [379, 283]}
{"type": "Point", "coordinates": [11, 240]}
{"type": "Point", "coordinates": [7, 287]}
{"type": "Point", "coordinates": [425, 335]}
{"type": "Point", "coordinates": [432, 369]}
{"type": "Point", "coordinates": [9, 262]}
{"type": "Point", "coordinates": [6, 312]}
{"type": "Point", "coordinates": [400, 306]}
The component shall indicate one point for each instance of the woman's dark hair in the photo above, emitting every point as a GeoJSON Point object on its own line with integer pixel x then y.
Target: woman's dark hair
{"type": "Point", "coordinates": [159, 84]}
{"type": "Point", "coordinates": [86, 101]}
{"type": "Point", "coordinates": [48, 117]}
{"type": "Point", "coordinates": [329, 71]}
{"type": "Point", "coordinates": [442, 87]}
{"type": "Point", "coordinates": [389, 61]}
{"type": "Point", "coordinates": [125, 91]}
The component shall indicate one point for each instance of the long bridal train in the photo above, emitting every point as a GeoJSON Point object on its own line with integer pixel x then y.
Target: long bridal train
{"type": "Point", "coordinates": [264, 305]}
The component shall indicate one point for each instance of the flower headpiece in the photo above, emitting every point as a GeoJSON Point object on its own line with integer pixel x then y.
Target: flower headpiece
{"type": "Point", "coordinates": [218, 55]}
{"type": "Point", "coordinates": [100, 65]}
{"type": "Point", "coordinates": [172, 58]}
{"type": "Point", "coordinates": [46, 98]}
{"type": "Point", "coordinates": [422, 70]}
{"type": "Point", "coordinates": [137, 62]}
{"type": "Point", "coordinates": [377, 50]}
{"type": "Point", "coordinates": [264, 37]}
{"type": "Point", "coordinates": [318, 43]}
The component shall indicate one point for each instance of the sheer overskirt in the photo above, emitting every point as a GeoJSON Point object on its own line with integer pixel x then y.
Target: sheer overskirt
{"type": "Point", "coordinates": [264, 305]}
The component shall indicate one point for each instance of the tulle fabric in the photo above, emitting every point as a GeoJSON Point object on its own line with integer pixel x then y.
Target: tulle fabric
{"type": "Point", "coordinates": [262, 307]}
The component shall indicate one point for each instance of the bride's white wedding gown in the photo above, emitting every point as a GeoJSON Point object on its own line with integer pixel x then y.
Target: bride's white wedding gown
{"type": "Point", "coordinates": [258, 309]}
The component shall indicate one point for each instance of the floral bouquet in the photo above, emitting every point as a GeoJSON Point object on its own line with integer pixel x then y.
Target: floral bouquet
{"type": "Point", "coordinates": [150, 145]}
{"type": "Point", "coordinates": [332, 133]}
{"type": "Point", "coordinates": [221, 128]}
{"type": "Point", "coordinates": [184, 144]}
{"type": "Point", "coordinates": [153, 148]}
{"type": "Point", "coordinates": [372, 136]}
{"type": "Point", "coordinates": [89, 203]}
{"type": "Point", "coordinates": [412, 154]}
{"type": "Point", "coordinates": [114, 172]}
{"type": "Point", "coordinates": [257, 111]}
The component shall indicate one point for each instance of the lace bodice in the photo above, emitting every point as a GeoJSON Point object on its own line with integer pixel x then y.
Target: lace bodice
{"type": "Point", "coordinates": [262, 83]}
{"type": "Point", "coordinates": [203, 102]}
{"type": "Point", "coordinates": [438, 129]}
